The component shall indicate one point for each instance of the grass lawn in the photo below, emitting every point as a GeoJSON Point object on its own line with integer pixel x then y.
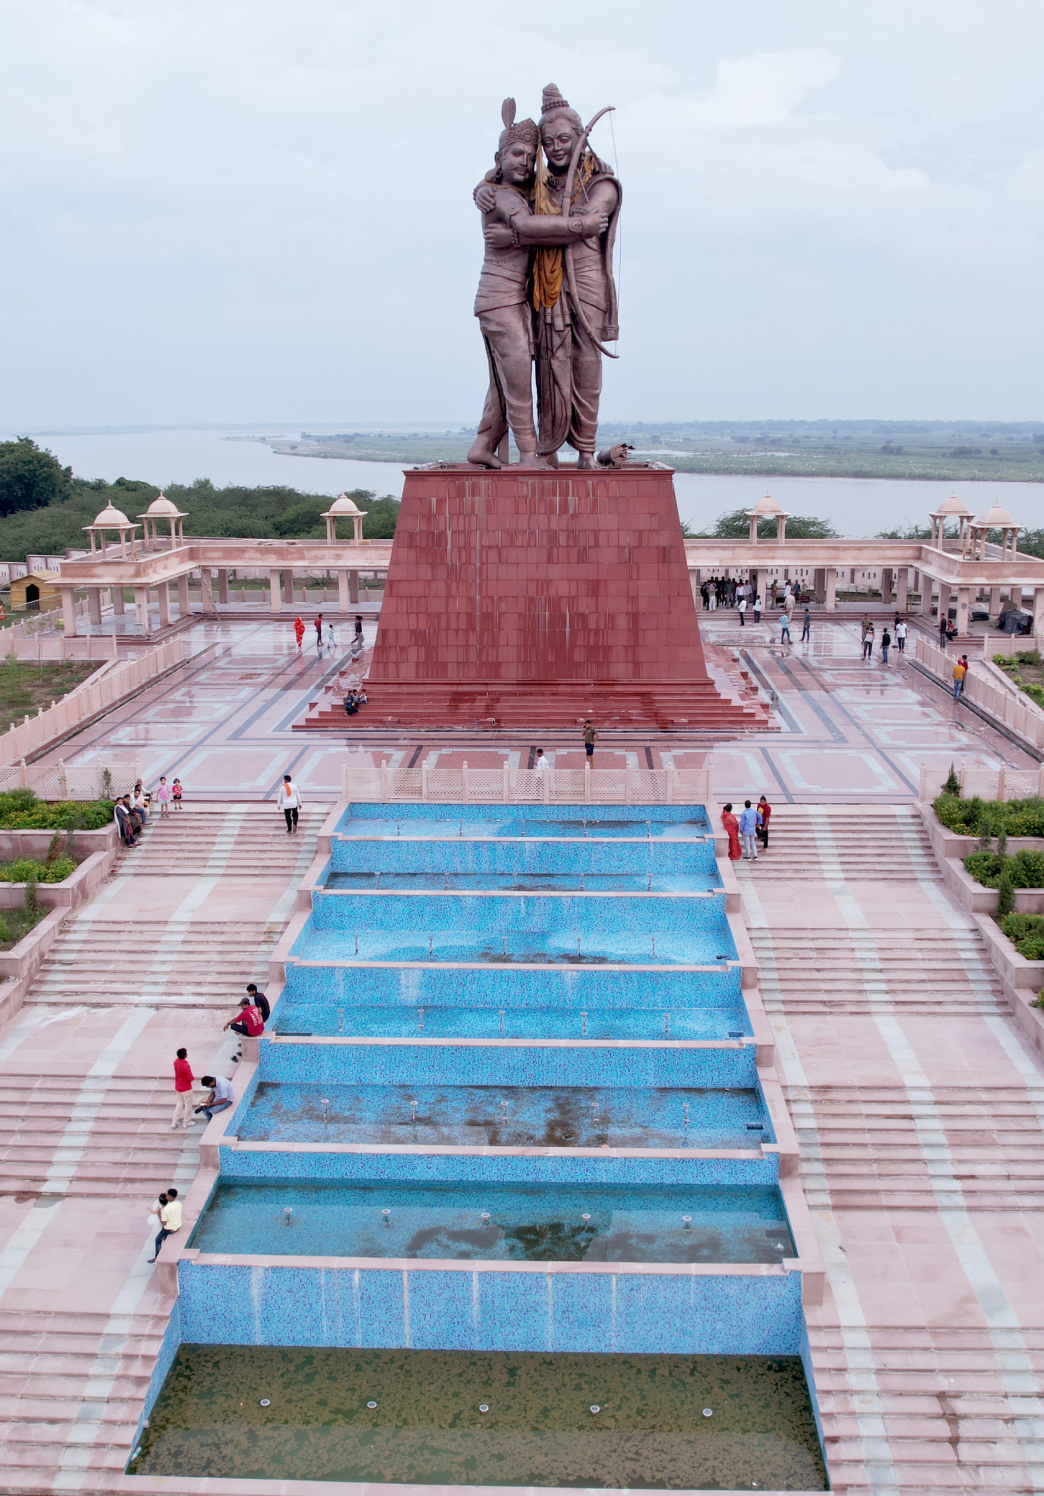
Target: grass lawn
{"type": "Point", "coordinates": [24, 685]}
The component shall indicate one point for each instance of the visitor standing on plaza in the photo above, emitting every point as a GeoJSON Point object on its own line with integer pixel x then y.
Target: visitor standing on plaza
{"type": "Point", "coordinates": [163, 795]}
{"type": "Point", "coordinates": [299, 631]}
{"type": "Point", "coordinates": [960, 670]}
{"type": "Point", "coordinates": [806, 627]}
{"type": "Point", "coordinates": [728, 820]}
{"type": "Point", "coordinates": [742, 605]}
{"type": "Point", "coordinates": [319, 631]}
{"type": "Point", "coordinates": [289, 802]}
{"type": "Point", "coordinates": [183, 1082]}
{"type": "Point", "coordinates": [868, 639]}
{"type": "Point", "coordinates": [540, 766]}
{"type": "Point", "coordinates": [784, 628]}
{"type": "Point", "coordinates": [900, 637]}
{"type": "Point", "coordinates": [170, 1220]}
{"type": "Point", "coordinates": [886, 640]}
{"type": "Point", "coordinates": [748, 825]}
{"type": "Point", "coordinates": [358, 630]}
{"type": "Point", "coordinates": [330, 640]}
{"type": "Point", "coordinates": [943, 626]}
{"type": "Point", "coordinates": [757, 609]}
{"type": "Point", "coordinates": [590, 739]}
{"type": "Point", "coordinates": [764, 816]}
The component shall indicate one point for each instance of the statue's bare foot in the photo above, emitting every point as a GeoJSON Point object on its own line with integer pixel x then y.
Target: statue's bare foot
{"type": "Point", "coordinates": [586, 460]}
{"type": "Point", "coordinates": [483, 456]}
{"type": "Point", "coordinates": [530, 459]}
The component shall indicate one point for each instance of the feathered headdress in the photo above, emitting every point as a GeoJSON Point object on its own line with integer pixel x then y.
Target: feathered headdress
{"type": "Point", "coordinates": [525, 129]}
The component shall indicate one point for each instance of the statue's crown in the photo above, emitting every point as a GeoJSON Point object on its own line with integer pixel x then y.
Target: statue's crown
{"type": "Point", "coordinates": [552, 100]}
{"type": "Point", "coordinates": [524, 129]}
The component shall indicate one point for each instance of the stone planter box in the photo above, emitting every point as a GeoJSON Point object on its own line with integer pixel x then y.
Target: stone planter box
{"type": "Point", "coordinates": [980, 900]}
{"type": "Point", "coordinates": [19, 965]}
{"type": "Point", "coordinates": [15, 844]}
{"type": "Point", "coordinates": [949, 844]}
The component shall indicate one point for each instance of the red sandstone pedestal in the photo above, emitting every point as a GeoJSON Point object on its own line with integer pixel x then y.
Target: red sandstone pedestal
{"type": "Point", "coordinates": [528, 597]}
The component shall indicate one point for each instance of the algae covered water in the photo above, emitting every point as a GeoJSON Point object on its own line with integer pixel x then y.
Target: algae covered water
{"type": "Point", "coordinates": [415, 1417]}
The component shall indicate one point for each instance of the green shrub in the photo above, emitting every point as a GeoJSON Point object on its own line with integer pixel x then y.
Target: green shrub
{"type": "Point", "coordinates": [1026, 869]}
{"type": "Point", "coordinates": [44, 815]}
{"type": "Point", "coordinates": [1010, 817]}
{"type": "Point", "coordinates": [28, 870]}
{"type": "Point", "coordinates": [1005, 892]}
{"type": "Point", "coordinates": [1026, 933]}
{"type": "Point", "coordinates": [1028, 656]}
{"type": "Point", "coordinates": [953, 784]}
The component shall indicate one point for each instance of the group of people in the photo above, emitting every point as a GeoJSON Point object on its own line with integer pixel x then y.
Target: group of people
{"type": "Point", "coordinates": [726, 592]}
{"type": "Point", "coordinates": [747, 830]}
{"type": "Point", "coordinates": [896, 635]}
{"type": "Point", "coordinates": [327, 639]}
{"type": "Point", "coordinates": [131, 812]}
{"type": "Point", "coordinates": [249, 1020]}
{"type": "Point", "coordinates": [354, 700]}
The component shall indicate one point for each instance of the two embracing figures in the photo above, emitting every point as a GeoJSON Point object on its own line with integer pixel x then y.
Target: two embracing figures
{"type": "Point", "coordinates": [546, 294]}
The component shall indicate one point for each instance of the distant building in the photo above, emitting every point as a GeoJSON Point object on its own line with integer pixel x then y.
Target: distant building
{"type": "Point", "coordinates": [37, 591]}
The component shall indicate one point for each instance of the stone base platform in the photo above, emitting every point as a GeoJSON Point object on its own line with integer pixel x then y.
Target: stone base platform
{"type": "Point", "coordinates": [654, 705]}
{"type": "Point", "coordinates": [535, 598]}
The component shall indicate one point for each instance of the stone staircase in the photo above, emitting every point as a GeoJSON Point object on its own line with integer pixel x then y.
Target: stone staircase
{"type": "Point", "coordinates": [71, 1392]}
{"type": "Point", "coordinates": [843, 844]}
{"type": "Point", "coordinates": [72, 1385]}
{"type": "Point", "coordinates": [872, 1147]}
{"type": "Point", "coordinates": [941, 1417]}
{"type": "Point", "coordinates": [908, 1408]}
{"type": "Point", "coordinates": [241, 841]}
{"type": "Point", "coordinates": [912, 971]}
{"type": "Point", "coordinates": [85, 1135]}
{"type": "Point", "coordinates": [189, 964]}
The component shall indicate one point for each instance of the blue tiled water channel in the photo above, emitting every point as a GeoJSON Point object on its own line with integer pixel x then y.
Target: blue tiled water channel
{"type": "Point", "coordinates": [509, 1101]}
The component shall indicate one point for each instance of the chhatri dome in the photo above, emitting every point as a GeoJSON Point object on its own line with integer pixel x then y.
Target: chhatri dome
{"type": "Point", "coordinates": [768, 508]}
{"type": "Point", "coordinates": [994, 518]}
{"type": "Point", "coordinates": [110, 518]}
{"type": "Point", "coordinates": [343, 508]}
{"type": "Point", "coordinates": [162, 508]}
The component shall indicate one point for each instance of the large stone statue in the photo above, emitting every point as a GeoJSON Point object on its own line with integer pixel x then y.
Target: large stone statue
{"type": "Point", "coordinates": [559, 302]}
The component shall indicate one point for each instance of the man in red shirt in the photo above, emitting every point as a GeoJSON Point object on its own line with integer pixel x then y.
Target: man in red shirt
{"type": "Point", "coordinates": [764, 816]}
{"type": "Point", "coordinates": [247, 1020]}
{"type": "Point", "coordinates": [182, 1091]}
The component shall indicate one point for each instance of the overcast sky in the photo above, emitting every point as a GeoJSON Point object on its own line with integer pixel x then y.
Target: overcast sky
{"type": "Point", "coordinates": [255, 210]}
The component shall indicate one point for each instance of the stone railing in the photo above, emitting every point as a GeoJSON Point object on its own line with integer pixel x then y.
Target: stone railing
{"type": "Point", "coordinates": [1013, 710]}
{"type": "Point", "coordinates": [526, 786]}
{"type": "Point", "coordinates": [93, 696]}
{"type": "Point", "coordinates": [988, 784]}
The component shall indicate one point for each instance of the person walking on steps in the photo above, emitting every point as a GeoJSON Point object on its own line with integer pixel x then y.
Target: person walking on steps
{"type": "Point", "coordinates": [299, 631]}
{"type": "Point", "coordinates": [806, 627]}
{"type": "Point", "coordinates": [590, 739]}
{"type": "Point", "coordinates": [289, 803]}
{"type": "Point", "coordinates": [748, 825]}
{"type": "Point", "coordinates": [176, 793]}
{"type": "Point", "coordinates": [183, 1082]}
{"type": "Point", "coordinates": [764, 816]}
{"type": "Point", "coordinates": [943, 627]}
{"type": "Point", "coordinates": [163, 795]}
{"type": "Point", "coordinates": [886, 640]}
{"type": "Point", "coordinates": [170, 1220]}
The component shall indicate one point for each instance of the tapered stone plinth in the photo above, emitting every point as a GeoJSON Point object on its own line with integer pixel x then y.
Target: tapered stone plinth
{"type": "Point", "coordinates": [528, 597]}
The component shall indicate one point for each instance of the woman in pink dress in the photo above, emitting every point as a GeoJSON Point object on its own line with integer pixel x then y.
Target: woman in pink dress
{"type": "Point", "coordinates": [729, 821]}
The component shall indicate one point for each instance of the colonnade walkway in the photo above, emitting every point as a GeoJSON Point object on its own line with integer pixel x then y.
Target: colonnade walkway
{"type": "Point", "coordinates": [919, 1110]}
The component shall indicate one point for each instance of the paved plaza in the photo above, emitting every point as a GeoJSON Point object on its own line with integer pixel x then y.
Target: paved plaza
{"type": "Point", "coordinates": [918, 1104]}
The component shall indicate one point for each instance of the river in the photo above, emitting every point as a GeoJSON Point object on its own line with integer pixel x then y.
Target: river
{"type": "Point", "coordinates": [854, 506]}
